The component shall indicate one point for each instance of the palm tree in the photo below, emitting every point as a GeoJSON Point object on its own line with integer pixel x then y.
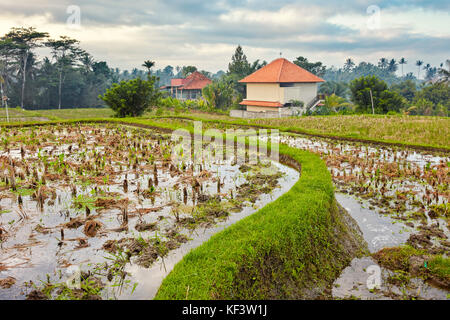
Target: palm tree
{"type": "Point", "coordinates": [392, 66]}
{"type": "Point", "coordinates": [87, 61]}
{"type": "Point", "coordinates": [383, 63]}
{"type": "Point", "coordinates": [444, 73]}
{"type": "Point", "coordinates": [402, 62]}
{"type": "Point", "coordinates": [419, 63]}
{"type": "Point", "coordinates": [335, 102]}
{"type": "Point", "coordinates": [349, 65]}
{"type": "Point", "coordinates": [148, 64]}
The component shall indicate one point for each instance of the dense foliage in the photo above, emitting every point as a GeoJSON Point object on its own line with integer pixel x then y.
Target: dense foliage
{"type": "Point", "coordinates": [371, 95]}
{"type": "Point", "coordinates": [132, 97]}
{"type": "Point", "coordinates": [70, 77]}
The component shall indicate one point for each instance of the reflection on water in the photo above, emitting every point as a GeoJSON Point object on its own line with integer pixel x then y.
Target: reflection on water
{"type": "Point", "coordinates": [150, 279]}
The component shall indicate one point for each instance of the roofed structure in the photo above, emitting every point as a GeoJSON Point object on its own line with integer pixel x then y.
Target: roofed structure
{"type": "Point", "coordinates": [280, 84]}
{"type": "Point", "coordinates": [189, 87]}
{"type": "Point", "coordinates": [281, 71]}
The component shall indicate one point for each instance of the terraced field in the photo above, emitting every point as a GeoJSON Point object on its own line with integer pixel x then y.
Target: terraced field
{"type": "Point", "coordinates": [105, 198]}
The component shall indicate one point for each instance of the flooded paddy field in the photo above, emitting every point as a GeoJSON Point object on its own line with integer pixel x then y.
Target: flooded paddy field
{"type": "Point", "coordinates": [102, 211]}
{"type": "Point", "coordinates": [397, 196]}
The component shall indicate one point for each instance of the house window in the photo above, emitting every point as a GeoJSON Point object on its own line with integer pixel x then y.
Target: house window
{"type": "Point", "coordinates": [287, 84]}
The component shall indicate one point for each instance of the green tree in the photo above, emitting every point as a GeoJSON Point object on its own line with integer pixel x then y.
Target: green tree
{"type": "Point", "coordinates": [390, 101]}
{"type": "Point", "coordinates": [349, 65]}
{"type": "Point", "coordinates": [383, 63]}
{"type": "Point", "coordinates": [421, 106]}
{"type": "Point", "coordinates": [444, 74]}
{"type": "Point", "coordinates": [220, 94]}
{"type": "Point", "coordinates": [239, 65]}
{"type": "Point", "coordinates": [406, 89]}
{"type": "Point", "coordinates": [6, 64]}
{"type": "Point", "coordinates": [65, 51]}
{"type": "Point", "coordinates": [392, 66]}
{"type": "Point", "coordinates": [239, 68]}
{"type": "Point", "coordinates": [402, 62]}
{"type": "Point", "coordinates": [336, 103]}
{"type": "Point", "coordinates": [437, 93]}
{"type": "Point", "coordinates": [132, 97]}
{"type": "Point", "coordinates": [25, 40]}
{"type": "Point", "coordinates": [148, 64]}
{"type": "Point", "coordinates": [370, 89]}
{"type": "Point", "coordinates": [256, 65]}
{"type": "Point", "coordinates": [187, 70]}
{"type": "Point", "coordinates": [334, 87]}
{"type": "Point", "coordinates": [314, 67]}
{"type": "Point", "coordinates": [419, 64]}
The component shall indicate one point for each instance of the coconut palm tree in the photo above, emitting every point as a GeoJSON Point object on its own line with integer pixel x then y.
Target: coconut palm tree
{"type": "Point", "coordinates": [445, 73]}
{"type": "Point", "coordinates": [402, 62]}
{"type": "Point", "coordinates": [419, 63]}
{"type": "Point", "coordinates": [349, 65]}
{"type": "Point", "coordinates": [148, 64]}
{"type": "Point", "coordinates": [392, 66]}
{"type": "Point", "coordinates": [383, 63]}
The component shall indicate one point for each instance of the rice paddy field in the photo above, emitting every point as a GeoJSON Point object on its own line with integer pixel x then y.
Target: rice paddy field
{"type": "Point", "coordinates": [108, 197]}
{"type": "Point", "coordinates": [403, 130]}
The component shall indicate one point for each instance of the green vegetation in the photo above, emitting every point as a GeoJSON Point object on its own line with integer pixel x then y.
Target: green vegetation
{"type": "Point", "coordinates": [414, 131]}
{"type": "Point", "coordinates": [371, 96]}
{"type": "Point", "coordinates": [417, 263]}
{"type": "Point", "coordinates": [132, 97]}
{"type": "Point", "coordinates": [299, 242]}
{"type": "Point", "coordinates": [316, 68]}
{"type": "Point", "coordinates": [292, 248]}
{"type": "Point", "coordinates": [420, 132]}
{"type": "Point", "coordinates": [220, 95]}
{"type": "Point", "coordinates": [79, 113]}
{"type": "Point", "coordinates": [71, 78]}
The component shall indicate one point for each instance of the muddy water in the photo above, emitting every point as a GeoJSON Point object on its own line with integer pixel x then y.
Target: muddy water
{"type": "Point", "coordinates": [150, 279]}
{"type": "Point", "coordinates": [379, 231]}
{"type": "Point", "coordinates": [382, 223]}
{"type": "Point", "coordinates": [34, 251]}
{"type": "Point", "coordinates": [353, 284]}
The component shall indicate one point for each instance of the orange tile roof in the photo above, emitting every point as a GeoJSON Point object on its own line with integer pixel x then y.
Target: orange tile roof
{"type": "Point", "coordinates": [261, 103]}
{"type": "Point", "coordinates": [176, 82]}
{"type": "Point", "coordinates": [195, 80]}
{"type": "Point", "coordinates": [281, 70]}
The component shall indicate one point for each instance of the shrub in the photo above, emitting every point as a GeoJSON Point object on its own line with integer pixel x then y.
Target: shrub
{"type": "Point", "coordinates": [383, 100]}
{"type": "Point", "coordinates": [220, 95]}
{"type": "Point", "coordinates": [132, 97]}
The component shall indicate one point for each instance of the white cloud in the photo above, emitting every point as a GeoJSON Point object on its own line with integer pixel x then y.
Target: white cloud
{"type": "Point", "coordinates": [125, 34]}
{"type": "Point", "coordinates": [395, 21]}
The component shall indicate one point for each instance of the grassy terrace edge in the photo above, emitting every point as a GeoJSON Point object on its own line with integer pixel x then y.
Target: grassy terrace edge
{"type": "Point", "coordinates": [292, 248]}
{"type": "Point", "coordinates": [441, 145]}
{"type": "Point", "coordinates": [296, 130]}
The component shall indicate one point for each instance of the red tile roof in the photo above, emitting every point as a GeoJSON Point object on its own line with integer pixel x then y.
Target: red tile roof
{"type": "Point", "coordinates": [261, 103]}
{"type": "Point", "coordinates": [195, 80]}
{"type": "Point", "coordinates": [281, 70]}
{"type": "Point", "coordinates": [176, 82]}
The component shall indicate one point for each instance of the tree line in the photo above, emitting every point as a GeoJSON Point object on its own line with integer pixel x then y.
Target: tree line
{"type": "Point", "coordinates": [70, 77]}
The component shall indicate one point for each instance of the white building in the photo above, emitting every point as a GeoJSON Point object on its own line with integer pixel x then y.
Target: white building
{"type": "Point", "coordinates": [276, 87]}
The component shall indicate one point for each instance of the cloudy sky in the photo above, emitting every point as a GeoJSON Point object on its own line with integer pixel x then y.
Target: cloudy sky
{"type": "Point", "coordinates": [205, 33]}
